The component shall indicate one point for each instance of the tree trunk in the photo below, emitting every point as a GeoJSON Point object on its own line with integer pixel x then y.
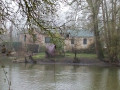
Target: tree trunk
{"type": "Point", "coordinates": [98, 46]}
{"type": "Point", "coordinates": [94, 7]}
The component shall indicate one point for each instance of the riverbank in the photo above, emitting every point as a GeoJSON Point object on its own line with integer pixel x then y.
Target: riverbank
{"type": "Point", "coordinates": [80, 61]}
{"type": "Point", "coordinates": [90, 60]}
{"type": "Point", "coordinates": [69, 61]}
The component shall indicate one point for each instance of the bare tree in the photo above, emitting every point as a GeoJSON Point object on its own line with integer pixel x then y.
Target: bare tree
{"type": "Point", "coordinates": [110, 12]}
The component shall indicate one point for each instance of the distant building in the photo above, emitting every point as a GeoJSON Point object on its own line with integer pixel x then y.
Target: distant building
{"type": "Point", "coordinates": [78, 39]}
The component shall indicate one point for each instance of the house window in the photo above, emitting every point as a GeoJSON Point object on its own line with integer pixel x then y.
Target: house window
{"type": "Point", "coordinates": [72, 41]}
{"type": "Point", "coordinates": [47, 39]}
{"type": "Point", "coordinates": [84, 41]}
{"type": "Point", "coordinates": [34, 37]}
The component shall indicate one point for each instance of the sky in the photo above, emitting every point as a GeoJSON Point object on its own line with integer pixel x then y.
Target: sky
{"type": "Point", "coordinates": [62, 13]}
{"type": "Point", "coordinates": [63, 9]}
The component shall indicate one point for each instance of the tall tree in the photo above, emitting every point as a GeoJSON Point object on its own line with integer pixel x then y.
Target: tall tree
{"type": "Point", "coordinates": [110, 12]}
{"type": "Point", "coordinates": [94, 6]}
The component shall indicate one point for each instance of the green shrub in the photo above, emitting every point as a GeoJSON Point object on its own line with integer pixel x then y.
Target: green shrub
{"type": "Point", "coordinates": [33, 48]}
{"type": "Point", "coordinates": [90, 49]}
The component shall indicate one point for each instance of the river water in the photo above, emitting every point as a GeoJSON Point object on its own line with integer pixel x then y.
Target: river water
{"type": "Point", "coordinates": [59, 77]}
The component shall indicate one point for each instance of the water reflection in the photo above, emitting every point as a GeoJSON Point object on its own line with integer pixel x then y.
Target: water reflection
{"type": "Point", "coordinates": [60, 77]}
{"type": "Point", "coordinates": [112, 80]}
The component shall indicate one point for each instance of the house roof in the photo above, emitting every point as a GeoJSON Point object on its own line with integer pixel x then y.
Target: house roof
{"type": "Point", "coordinates": [73, 33]}
{"type": "Point", "coordinates": [80, 33]}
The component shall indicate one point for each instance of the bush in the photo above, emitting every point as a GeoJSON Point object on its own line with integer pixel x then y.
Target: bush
{"type": "Point", "coordinates": [33, 48]}
{"type": "Point", "coordinates": [90, 49]}
{"type": "Point", "coordinates": [12, 45]}
{"type": "Point", "coordinates": [42, 48]}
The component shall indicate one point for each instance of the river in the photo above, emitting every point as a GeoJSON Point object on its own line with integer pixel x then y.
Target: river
{"type": "Point", "coordinates": [59, 77]}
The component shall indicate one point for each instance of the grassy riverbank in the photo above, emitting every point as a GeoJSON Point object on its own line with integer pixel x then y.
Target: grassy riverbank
{"type": "Point", "coordinates": [68, 59]}
{"type": "Point", "coordinates": [82, 59]}
{"type": "Point", "coordinates": [67, 55]}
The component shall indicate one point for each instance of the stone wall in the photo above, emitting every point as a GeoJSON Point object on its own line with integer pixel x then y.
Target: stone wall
{"type": "Point", "coordinates": [78, 41]}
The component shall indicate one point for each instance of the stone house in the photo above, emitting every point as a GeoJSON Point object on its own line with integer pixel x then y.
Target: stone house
{"type": "Point", "coordinates": [79, 39]}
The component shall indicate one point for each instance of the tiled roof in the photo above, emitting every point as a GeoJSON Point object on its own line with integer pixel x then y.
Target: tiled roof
{"type": "Point", "coordinates": [73, 33]}
{"type": "Point", "coordinates": [80, 33]}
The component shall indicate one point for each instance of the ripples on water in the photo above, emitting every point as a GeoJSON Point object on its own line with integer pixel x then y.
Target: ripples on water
{"type": "Point", "coordinates": [60, 77]}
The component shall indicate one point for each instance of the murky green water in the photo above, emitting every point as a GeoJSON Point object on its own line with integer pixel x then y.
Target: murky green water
{"type": "Point", "coordinates": [60, 77]}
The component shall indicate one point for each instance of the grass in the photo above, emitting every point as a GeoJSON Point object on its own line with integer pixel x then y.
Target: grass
{"type": "Point", "coordinates": [81, 55]}
{"type": "Point", "coordinates": [69, 55]}
{"type": "Point", "coordinates": [39, 56]}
